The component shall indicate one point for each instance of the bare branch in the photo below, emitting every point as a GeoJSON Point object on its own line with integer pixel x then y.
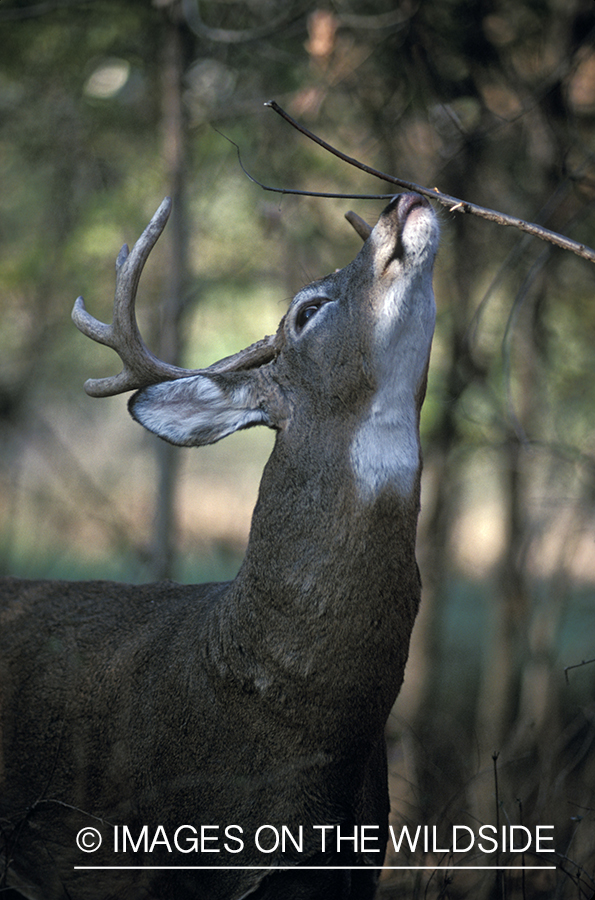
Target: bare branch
{"type": "Point", "coordinates": [293, 191]}
{"type": "Point", "coordinates": [585, 662]}
{"type": "Point", "coordinates": [454, 204]}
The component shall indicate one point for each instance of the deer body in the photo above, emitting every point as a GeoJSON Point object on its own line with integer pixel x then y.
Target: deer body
{"type": "Point", "coordinates": [261, 701]}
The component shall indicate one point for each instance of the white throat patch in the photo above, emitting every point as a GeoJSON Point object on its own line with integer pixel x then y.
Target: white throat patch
{"type": "Point", "coordinates": [385, 450]}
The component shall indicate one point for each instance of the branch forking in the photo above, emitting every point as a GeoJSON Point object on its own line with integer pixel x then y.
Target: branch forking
{"type": "Point", "coordinates": [453, 204]}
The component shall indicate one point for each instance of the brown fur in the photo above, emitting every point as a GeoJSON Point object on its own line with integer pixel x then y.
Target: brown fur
{"type": "Point", "coordinates": [259, 701]}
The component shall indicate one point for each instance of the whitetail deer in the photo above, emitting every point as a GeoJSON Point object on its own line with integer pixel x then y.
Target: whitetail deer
{"type": "Point", "coordinates": [169, 708]}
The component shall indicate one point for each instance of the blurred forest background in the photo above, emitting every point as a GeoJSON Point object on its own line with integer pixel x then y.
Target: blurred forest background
{"type": "Point", "coordinates": [107, 107]}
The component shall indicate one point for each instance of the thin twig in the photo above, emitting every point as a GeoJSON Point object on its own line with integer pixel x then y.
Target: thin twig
{"type": "Point", "coordinates": [585, 662]}
{"type": "Point", "coordinates": [275, 190]}
{"type": "Point", "coordinates": [454, 204]}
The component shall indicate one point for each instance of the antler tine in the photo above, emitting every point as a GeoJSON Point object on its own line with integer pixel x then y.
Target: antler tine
{"type": "Point", "coordinates": [361, 226]}
{"type": "Point", "coordinates": [140, 366]}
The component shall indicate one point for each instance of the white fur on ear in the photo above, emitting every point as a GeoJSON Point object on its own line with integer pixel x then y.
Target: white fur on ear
{"type": "Point", "coordinates": [194, 411]}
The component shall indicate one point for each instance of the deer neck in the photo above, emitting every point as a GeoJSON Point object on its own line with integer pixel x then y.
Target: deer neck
{"type": "Point", "coordinates": [385, 451]}
{"type": "Point", "coordinates": [329, 589]}
{"type": "Point", "coordinates": [326, 526]}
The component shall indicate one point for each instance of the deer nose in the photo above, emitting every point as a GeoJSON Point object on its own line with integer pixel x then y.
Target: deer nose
{"type": "Point", "coordinates": [404, 204]}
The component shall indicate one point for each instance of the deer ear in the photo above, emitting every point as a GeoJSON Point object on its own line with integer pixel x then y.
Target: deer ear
{"type": "Point", "coordinates": [202, 409]}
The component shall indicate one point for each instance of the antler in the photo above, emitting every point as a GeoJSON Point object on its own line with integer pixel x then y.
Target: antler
{"type": "Point", "coordinates": [140, 366]}
{"type": "Point", "coordinates": [361, 226]}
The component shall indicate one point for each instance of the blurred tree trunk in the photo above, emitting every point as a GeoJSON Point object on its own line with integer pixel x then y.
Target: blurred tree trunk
{"type": "Point", "coordinates": [498, 692]}
{"type": "Point", "coordinates": [170, 340]}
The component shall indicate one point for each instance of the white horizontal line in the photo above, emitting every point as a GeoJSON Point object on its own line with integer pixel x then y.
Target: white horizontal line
{"type": "Point", "coordinates": [311, 868]}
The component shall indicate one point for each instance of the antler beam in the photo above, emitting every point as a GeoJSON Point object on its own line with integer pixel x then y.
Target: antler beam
{"type": "Point", "coordinates": [140, 367]}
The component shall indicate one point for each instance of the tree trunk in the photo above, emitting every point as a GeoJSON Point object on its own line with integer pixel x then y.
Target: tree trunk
{"type": "Point", "coordinates": [170, 342]}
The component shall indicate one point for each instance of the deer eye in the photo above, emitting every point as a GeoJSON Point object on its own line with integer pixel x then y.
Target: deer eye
{"type": "Point", "coordinates": [307, 312]}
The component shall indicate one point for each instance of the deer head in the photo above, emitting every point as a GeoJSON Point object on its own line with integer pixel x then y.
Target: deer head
{"type": "Point", "coordinates": [359, 336]}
